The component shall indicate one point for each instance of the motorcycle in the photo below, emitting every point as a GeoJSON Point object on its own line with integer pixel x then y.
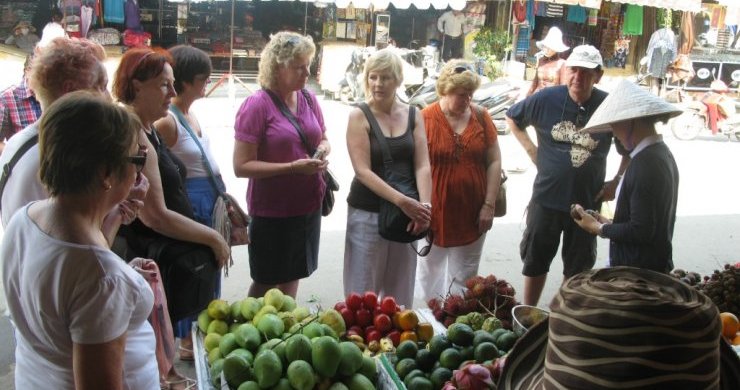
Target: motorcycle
{"type": "Point", "coordinates": [715, 113]}
{"type": "Point", "coordinates": [496, 97]}
{"type": "Point", "coordinates": [350, 87]}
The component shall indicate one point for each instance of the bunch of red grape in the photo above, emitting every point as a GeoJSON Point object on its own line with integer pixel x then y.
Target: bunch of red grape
{"type": "Point", "coordinates": [486, 295]}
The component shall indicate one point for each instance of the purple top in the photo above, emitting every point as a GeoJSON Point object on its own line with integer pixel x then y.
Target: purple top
{"type": "Point", "coordinates": [259, 122]}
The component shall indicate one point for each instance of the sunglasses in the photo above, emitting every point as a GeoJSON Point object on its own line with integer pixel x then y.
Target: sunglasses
{"type": "Point", "coordinates": [581, 117]}
{"type": "Point", "coordinates": [424, 251]}
{"type": "Point", "coordinates": [460, 69]}
{"type": "Point", "coordinates": [139, 160]}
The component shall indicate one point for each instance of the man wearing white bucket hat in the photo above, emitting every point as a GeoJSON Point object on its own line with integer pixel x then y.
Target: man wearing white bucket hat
{"type": "Point", "coordinates": [645, 214]}
{"type": "Point", "coordinates": [571, 167]}
{"type": "Point", "coordinates": [550, 69]}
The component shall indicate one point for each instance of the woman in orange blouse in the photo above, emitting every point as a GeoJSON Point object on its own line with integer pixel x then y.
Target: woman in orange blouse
{"type": "Point", "coordinates": [466, 174]}
{"type": "Point", "coordinates": [550, 67]}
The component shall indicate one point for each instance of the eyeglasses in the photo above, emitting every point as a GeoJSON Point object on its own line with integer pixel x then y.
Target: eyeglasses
{"type": "Point", "coordinates": [460, 69]}
{"type": "Point", "coordinates": [581, 117]}
{"type": "Point", "coordinates": [139, 160]}
{"type": "Point", "coordinates": [427, 248]}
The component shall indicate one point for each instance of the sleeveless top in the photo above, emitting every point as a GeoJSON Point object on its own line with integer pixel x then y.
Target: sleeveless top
{"type": "Point", "coordinates": [402, 152]}
{"type": "Point", "coordinates": [188, 152]}
{"type": "Point", "coordinates": [172, 173]}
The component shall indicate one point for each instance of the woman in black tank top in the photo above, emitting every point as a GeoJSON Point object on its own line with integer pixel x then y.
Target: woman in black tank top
{"type": "Point", "coordinates": [372, 263]}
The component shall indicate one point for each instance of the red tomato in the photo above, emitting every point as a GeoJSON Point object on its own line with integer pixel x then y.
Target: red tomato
{"type": "Point", "coordinates": [382, 323]}
{"type": "Point", "coordinates": [363, 317]}
{"type": "Point", "coordinates": [348, 315]}
{"type": "Point", "coordinates": [354, 301]}
{"type": "Point", "coordinates": [370, 299]}
{"type": "Point", "coordinates": [372, 335]}
{"type": "Point", "coordinates": [358, 330]}
{"type": "Point", "coordinates": [388, 305]}
{"type": "Point", "coordinates": [395, 336]}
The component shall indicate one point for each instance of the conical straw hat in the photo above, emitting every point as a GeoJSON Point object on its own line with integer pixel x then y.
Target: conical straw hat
{"type": "Point", "coordinates": [628, 101]}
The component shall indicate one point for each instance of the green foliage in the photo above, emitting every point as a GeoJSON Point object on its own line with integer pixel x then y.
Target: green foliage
{"type": "Point", "coordinates": [492, 45]}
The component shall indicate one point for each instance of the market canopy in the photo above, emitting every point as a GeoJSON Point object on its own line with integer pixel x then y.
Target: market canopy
{"type": "Point", "coordinates": [679, 5]}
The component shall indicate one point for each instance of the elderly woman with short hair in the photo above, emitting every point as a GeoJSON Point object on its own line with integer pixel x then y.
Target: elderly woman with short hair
{"type": "Point", "coordinates": [371, 262]}
{"type": "Point", "coordinates": [466, 173]}
{"type": "Point", "coordinates": [79, 310]}
{"type": "Point", "coordinates": [286, 186]}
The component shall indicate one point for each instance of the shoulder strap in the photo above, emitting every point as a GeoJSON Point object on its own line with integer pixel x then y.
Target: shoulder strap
{"type": "Point", "coordinates": [479, 114]}
{"type": "Point", "coordinates": [8, 167]}
{"type": "Point", "coordinates": [291, 118]}
{"type": "Point", "coordinates": [378, 134]}
{"type": "Point", "coordinates": [203, 157]}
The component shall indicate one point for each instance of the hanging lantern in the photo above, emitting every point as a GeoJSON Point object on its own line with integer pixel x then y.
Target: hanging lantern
{"type": "Point", "coordinates": [421, 4]}
{"type": "Point", "coordinates": [440, 4]}
{"type": "Point", "coordinates": [458, 5]}
{"type": "Point", "coordinates": [380, 4]}
{"type": "Point", "coordinates": [401, 4]}
{"type": "Point", "coordinates": [361, 3]}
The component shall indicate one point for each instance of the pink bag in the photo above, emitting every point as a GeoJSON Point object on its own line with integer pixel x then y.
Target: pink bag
{"type": "Point", "coordinates": [160, 318]}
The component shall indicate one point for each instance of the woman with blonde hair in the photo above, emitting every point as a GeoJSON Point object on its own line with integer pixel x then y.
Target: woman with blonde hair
{"type": "Point", "coordinates": [371, 262]}
{"type": "Point", "coordinates": [466, 172]}
{"type": "Point", "coordinates": [281, 146]}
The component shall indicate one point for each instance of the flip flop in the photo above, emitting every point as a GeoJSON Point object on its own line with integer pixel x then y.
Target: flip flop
{"type": "Point", "coordinates": [186, 354]}
{"type": "Point", "coordinates": [179, 384]}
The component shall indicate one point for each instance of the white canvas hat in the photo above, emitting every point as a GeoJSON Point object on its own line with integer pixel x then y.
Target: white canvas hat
{"type": "Point", "coordinates": [585, 56]}
{"type": "Point", "coordinates": [628, 101]}
{"type": "Point", "coordinates": [553, 40]}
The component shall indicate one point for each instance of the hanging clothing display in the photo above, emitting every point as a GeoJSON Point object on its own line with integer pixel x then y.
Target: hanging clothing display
{"type": "Point", "coordinates": [133, 19]}
{"type": "Point", "coordinates": [593, 17]}
{"type": "Point", "coordinates": [530, 14]}
{"type": "Point", "coordinates": [522, 42]}
{"type": "Point", "coordinates": [554, 10]}
{"type": "Point", "coordinates": [661, 52]}
{"type": "Point", "coordinates": [86, 18]}
{"type": "Point", "coordinates": [519, 11]}
{"type": "Point", "coordinates": [621, 51]}
{"type": "Point", "coordinates": [576, 14]}
{"type": "Point", "coordinates": [113, 11]}
{"type": "Point", "coordinates": [632, 20]}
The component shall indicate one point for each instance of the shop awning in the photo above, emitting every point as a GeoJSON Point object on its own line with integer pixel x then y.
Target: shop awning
{"type": "Point", "coordinates": [680, 5]}
{"type": "Point", "coordinates": [400, 4]}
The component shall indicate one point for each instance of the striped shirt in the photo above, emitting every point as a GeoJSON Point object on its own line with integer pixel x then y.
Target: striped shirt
{"type": "Point", "coordinates": [18, 109]}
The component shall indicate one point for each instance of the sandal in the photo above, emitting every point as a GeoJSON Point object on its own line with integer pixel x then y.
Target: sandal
{"type": "Point", "coordinates": [186, 354]}
{"type": "Point", "coordinates": [179, 384]}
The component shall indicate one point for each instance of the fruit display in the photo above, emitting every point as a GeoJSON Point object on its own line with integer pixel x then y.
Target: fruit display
{"type": "Point", "coordinates": [730, 328]}
{"type": "Point", "coordinates": [461, 349]}
{"type": "Point", "coordinates": [380, 325]}
{"type": "Point", "coordinates": [723, 288]}
{"type": "Point", "coordinates": [690, 278]}
{"type": "Point", "coordinates": [487, 296]}
{"type": "Point", "coordinates": [271, 342]}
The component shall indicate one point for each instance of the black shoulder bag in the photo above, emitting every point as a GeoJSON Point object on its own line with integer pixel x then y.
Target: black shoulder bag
{"type": "Point", "coordinates": [392, 221]}
{"type": "Point", "coordinates": [331, 183]}
{"type": "Point", "coordinates": [8, 167]}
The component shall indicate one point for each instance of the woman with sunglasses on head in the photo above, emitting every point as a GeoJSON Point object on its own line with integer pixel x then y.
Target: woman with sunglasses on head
{"type": "Point", "coordinates": [144, 80]}
{"type": "Point", "coordinates": [80, 312]}
{"type": "Point", "coordinates": [285, 169]}
{"type": "Point", "coordinates": [373, 263]}
{"type": "Point", "coordinates": [465, 160]}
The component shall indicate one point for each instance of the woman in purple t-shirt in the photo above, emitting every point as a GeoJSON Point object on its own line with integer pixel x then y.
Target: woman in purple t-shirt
{"type": "Point", "coordinates": [286, 185]}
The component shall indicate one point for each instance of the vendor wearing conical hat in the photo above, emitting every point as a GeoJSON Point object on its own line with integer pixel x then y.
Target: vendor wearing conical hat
{"type": "Point", "coordinates": [642, 229]}
{"type": "Point", "coordinates": [550, 67]}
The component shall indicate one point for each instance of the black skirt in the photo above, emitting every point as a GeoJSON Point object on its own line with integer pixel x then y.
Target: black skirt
{"type": "Point", "coordinates": [284, 249]}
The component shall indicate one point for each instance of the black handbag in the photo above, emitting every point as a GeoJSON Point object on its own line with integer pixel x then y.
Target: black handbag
{"type": "Point", "coordinates": [189, 274]}
{"type": "Point", "coordinates": [332, 184]}
{"type": "Point", "coordinates": [392, 221]}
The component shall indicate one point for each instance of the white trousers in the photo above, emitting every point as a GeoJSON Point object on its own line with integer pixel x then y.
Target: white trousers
{"type": "Point", "coordinates": [443, 266]}
{"type": "Point", "coordinates": [372, 263]}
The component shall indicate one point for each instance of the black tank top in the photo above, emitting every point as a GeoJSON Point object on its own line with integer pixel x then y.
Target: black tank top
{"type": "Point", "coordinates": [402, 152]}
{"type": "Point", "coordinates": [172, 172]}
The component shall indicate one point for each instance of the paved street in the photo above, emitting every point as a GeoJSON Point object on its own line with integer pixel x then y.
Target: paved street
{"type": "Point", "coordinates": [707, 232]}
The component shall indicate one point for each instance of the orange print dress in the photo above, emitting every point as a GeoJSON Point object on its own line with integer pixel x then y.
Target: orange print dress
{"type": "Point", "coordinates": [458, 165]}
